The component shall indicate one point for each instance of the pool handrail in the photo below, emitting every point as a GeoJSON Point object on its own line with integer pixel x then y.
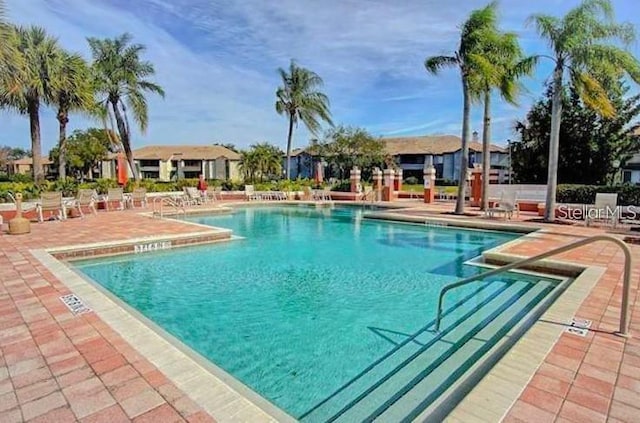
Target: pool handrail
{"type": "Point", "coordinates": [626, 289]}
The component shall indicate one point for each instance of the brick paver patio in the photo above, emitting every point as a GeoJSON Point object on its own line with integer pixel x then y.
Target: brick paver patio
{"type": "Point", "coordinates": [56, 366]}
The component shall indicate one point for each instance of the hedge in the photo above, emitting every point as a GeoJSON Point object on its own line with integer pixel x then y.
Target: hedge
{"type": "Point", "coordinates": [70, 186]}
{"type": "Point", "coordinates": [628, 195]}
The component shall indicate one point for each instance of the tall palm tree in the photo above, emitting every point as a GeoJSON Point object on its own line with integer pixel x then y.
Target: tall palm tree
{"type": "Point", "coordinates": [500, 65]}
{"type": "Point", "coordinates": [471, 38]}
{"type": "Point", "coordinates": [120, 75]}
{"type": "Point", "coordinates": [39, 53]}
{"type": "Point", "coordinates": [73, 91]}
{"type": "Point", "coordinates": [299, 99]}
{"type": "Point", "coordinates": [583, 46]}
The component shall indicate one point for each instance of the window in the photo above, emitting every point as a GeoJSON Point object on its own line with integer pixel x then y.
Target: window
{"type": "Point", "coordinates": [626, 176]}
{"type": "Point", "coordinates": [174, 164]}
{"type": "Point", "coordinates": [192, 163]}
{"type": "Point", "coordinates": [150, 175]}
{"type": "Point", "coordinates": [148, 163]}
{"type": "Point", "coordinates": [191, 175]}
{"type": "Point", "coordinates": [412, 159]}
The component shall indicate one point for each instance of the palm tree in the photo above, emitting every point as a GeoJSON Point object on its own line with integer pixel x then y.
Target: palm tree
{"type": "Point", "coordinates": [73, 92]}
{"type": "Point", "coordinates": [39, 53]}
{"type": "Point", "coordinates": [269, 159]}
{"type": "Point", "coordinates": [500, 64]}
{"type": "Point", "coordinates": [583, 48]}
{"type": "Point", "coordinates": [299, 99]}
{"type": "Point", "coordinates": [248, 165]}
{"type": "Point", "coordinates": [471, 38]}
{"type": "Point", "coordinates": [120, 75]}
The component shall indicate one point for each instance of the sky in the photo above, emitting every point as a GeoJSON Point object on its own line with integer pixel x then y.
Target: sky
{"type": "Point", "coordinates": [217, 61]}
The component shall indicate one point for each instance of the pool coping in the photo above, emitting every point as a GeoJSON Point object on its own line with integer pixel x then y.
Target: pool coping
{"type": "Point", "coordinates": [229, 399]}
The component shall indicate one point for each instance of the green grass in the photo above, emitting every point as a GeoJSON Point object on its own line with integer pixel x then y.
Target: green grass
{"type": "Point", "coordinates": [420, 188]}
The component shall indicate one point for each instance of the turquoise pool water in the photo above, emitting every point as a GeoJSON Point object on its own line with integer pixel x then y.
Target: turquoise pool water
{"type": "Point", "coordinates": [309, 299]}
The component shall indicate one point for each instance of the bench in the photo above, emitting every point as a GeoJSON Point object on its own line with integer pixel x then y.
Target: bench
{"type": "Point", "coordinates": [529, 196]}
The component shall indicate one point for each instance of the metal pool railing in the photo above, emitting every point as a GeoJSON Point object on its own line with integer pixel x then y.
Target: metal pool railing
{"type": "Point", "coordinates": [626, 289]}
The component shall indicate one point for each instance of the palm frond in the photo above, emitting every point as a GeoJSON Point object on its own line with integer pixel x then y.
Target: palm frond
{"type": "Point", "coordinates": [435, 64]}
{"type": "Point", "coordinates": [592, 93]}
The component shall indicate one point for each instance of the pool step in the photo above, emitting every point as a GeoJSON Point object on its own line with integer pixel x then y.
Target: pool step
{"type": "Point", "coordinates": [418, 369]}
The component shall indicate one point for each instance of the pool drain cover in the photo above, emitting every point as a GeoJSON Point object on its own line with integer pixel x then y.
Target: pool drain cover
{"type": "Point", "coordinates": [578, 326]}
{"type": "Point", "coordinates": [75, 304]}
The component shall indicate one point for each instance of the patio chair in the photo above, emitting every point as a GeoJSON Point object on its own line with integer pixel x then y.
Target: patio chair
{"type": "Point", "coordinates": [211, 194]}
{"type": "Point", "coordinates": [115, 195]}
{"type": "Point", "coordinates": [51, 202]}
{"type": "Point", "coordinates": [86, 198]}
{"type": "Point", "coordinates": [139, 195]}
{"type": "Point", "coordinates": [506, 205]}
{"type": "Point", "coordinates": [193, 196]}
{"type": "Point", "coordinates": [250, 193]}
{"type": "Point", "coordinates": [605, 209]}
{"type": "Point", "coordinates": [368, 194]}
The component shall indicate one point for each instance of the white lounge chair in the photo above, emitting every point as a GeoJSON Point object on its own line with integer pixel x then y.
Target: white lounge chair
{"type": "Point", "coordinates": [507, 204]}
{"type": "Point", "coordinates": [212, 194]}
{"type": "Point", "coordinates": [250, 193]}
{"type": "Point", "coordinates": [605, 209]}
{"type": "Point", "coordinates": [86, 198]}
{"type": "Point", "coordinates": [115, 195]}
{"type": "Point", "coordinates": [193, 196]}
{"type": "Point", "coordinates": [139, 195]}
{"type": "Point", "coordinates": [51, 202]}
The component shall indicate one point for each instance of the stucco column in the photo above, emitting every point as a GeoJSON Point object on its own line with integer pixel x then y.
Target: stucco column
{"type": "Point", "coordinates": [429, 173]}
{"type": "Point", "coordinates": [476, 186]}
{"type": "Point", "coordinates": [469, 179]}
{"type": "Point", "coordinates": [355, 179]}
{"type": "Point", "coordinates": [388, 192]}
{"type": "Point", "coordinates": [397, 184]}
{"type": "Point", "coordinates": [377, 183]}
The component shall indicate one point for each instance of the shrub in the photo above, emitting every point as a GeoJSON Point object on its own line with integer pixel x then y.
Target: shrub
{"type": "Point", "coordinates": [586, 194]}
{"type": "Point", "coordinates": [342, 186]}
{"type": "Point", "coordinates": [103, 185]}
{"type": "Point", "coordinates": [68, 186]}
{"type": "Point", "coordinates": [445, 182]}
{"type": "Point", "coordinates": [411, 180]}
{"type": "Point", "coordinates": [181, 183]}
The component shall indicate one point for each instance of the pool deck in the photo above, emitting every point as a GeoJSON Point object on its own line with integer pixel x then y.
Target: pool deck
{"type": "Point", "coordinates": [57, 366]}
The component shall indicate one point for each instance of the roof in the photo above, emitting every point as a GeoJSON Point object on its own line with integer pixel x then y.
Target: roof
{"type": "Point", "coordinates": [184, 152]}
{"type": "Point", "coordinates": [29, 161]}
{"type": "Point", "coordinates": [431, 144]}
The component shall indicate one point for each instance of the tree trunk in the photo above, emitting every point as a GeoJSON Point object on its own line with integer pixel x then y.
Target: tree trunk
{"type": "Point", "coordinates": [486, 150]}
{"type": "Point", "coordinates": [124, 137]}
{"type": "Point", "coordinates": [554, 143]}
{"type": "Point", "coordinates": [464, 150]}
{"type": "Point", "coordinates": [33, 109]}
{"type": "Point", "coordinates": [289, 140]}
{"type": "Point", "coordinates": [63, 119]}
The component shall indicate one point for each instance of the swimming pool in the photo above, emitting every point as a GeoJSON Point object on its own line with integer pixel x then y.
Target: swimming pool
{"type": "Point", "coordinates": [326, 315]}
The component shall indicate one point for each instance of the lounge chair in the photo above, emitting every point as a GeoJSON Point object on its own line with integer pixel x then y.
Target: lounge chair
{"type": "Point", "coordinates": [139, 195]}
{"type": "Point", "coordinates": [368, 194]}
{"type": "Point", "coordinates": [51, 202]}
{"type": "Point", "coordinates": [212, 194]}
{"type": "Point", "coordinates": [86, 198]}
{"type": "Point", "coordinates": [193, 196]}
{"type": "Point", "coordinates": [605, 209]}
{"type": "Point", "coordinates": [115, 195]}
{"type": "Point", "coordinates": [507, 204]}
{"type": "Point", "coordinates": [307, 194]}
{"type": "Point", "coordinates": [250, 193]}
